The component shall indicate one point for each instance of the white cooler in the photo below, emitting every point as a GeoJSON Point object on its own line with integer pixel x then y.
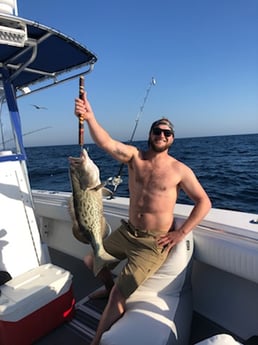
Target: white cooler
{"type": "Point", "coordinates": [34, 303]}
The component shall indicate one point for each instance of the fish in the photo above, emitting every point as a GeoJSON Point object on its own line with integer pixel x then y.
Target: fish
{"type": "Point", "coordinates": [86, 207]}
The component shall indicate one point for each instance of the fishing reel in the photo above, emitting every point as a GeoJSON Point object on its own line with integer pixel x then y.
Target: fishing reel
{"type": "Point", "coordinates": [114, 181]}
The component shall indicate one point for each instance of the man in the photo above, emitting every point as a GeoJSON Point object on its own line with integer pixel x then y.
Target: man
{"type": "Point", "coordinates": [155, 179]}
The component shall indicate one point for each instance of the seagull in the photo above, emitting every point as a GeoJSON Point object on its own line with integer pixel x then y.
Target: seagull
{"type": "Point", "coordinates": [38, 106]}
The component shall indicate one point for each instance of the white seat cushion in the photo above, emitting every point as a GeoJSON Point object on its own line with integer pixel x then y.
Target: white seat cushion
{"type": "Point", "coordinates": [220, 339]}
{"type": "Point", "coordinates": [160, 310]}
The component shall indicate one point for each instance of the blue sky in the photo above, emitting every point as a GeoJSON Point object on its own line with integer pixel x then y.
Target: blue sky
{"type": "Point", "coordinates": [202, 53]}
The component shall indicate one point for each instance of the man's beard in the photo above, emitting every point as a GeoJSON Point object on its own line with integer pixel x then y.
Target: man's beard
{"type": "Point", "coordinates": [159, 148]}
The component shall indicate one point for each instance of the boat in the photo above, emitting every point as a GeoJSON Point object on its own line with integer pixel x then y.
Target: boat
{"type": "Point", "coordinates": [207, 291]}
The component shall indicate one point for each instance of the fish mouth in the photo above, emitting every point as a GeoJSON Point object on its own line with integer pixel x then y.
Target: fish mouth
{"type": "Point", "coordinates": [83, 157]}
{"type": "Point", "coordinates": [75, 160]}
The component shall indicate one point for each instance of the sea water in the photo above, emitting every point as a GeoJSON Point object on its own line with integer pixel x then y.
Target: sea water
{"type": "Point", "coordinates": [226, 166]}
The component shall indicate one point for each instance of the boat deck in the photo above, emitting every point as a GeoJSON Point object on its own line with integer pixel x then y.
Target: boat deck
{"type": "Point", "coordinates": [83, 283]}
{"type": "Point", "coordinates": [81, 329]}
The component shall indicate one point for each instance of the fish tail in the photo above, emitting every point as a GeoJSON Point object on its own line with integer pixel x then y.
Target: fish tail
{"type": "Point", "coordinates": [101, 260]}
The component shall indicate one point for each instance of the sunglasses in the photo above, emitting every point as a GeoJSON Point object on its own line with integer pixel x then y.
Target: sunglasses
{"type": "Point", "coordinates": [158, 131]}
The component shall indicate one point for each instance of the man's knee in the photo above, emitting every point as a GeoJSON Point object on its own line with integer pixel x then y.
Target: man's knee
{"type": "Point", "coordinates": [88, 260]}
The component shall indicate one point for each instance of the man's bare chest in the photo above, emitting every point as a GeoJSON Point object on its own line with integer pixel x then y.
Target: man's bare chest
{"type": "Point", "coordinates": [155, 176]}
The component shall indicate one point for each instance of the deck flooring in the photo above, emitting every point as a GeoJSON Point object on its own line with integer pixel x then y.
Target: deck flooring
{"type": "Point", "coordinates": [87, 313]}
{"type": "Point", "coordinates": [83, 284]}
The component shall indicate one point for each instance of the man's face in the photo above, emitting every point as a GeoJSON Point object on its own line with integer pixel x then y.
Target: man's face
{"type": "Point", "coordinates": [161, 138]}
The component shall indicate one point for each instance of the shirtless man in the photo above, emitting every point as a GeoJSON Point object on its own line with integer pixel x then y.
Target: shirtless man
{"type": "Point", "coordinates": [155, 179]}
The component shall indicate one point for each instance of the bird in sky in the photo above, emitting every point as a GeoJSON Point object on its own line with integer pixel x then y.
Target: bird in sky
{"type": "Point", "coordinates": [38, 106]}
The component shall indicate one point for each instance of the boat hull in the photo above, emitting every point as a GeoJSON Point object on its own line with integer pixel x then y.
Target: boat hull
{"type": "Point", "coordinates": [225, 265]}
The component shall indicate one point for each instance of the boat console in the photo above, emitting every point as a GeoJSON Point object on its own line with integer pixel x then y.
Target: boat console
{"type": "Point", "coordinates": [36, 288]}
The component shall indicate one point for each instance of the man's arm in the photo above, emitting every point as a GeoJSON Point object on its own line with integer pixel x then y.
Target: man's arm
{"type": "Point", "coordinates": [202, 204]}
{"type": "Point", "coordinates": [122, 152]}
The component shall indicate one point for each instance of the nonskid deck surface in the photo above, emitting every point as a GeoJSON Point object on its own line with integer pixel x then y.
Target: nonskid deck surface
{"type": "Point", "coordinates": [87, 316]}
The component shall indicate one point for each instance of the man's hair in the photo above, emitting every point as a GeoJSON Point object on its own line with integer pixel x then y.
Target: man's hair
{"type": "Point", "coordinates": [163, 121]}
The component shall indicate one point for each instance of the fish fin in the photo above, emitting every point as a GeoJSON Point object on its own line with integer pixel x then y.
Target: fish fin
{"type": "Point", "coordinates": [99, 186]}
{"type": "Point", "coordinates": [103, 260]}
{"type": "Point", "coordinates": [75, 228]}
{"type": "Point", "coordinates": [106, 192]}
{"type": "Point", "coordinates": [79, 235]}
{"type": "Point", "coordinates": [71, 208]}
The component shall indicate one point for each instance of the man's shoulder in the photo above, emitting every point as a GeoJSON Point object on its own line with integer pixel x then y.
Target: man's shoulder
{"type": "Point", "coordinates": [179, 164]}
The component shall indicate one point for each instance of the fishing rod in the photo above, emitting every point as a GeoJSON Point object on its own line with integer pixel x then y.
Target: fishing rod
{"type": "Point", "coordinates": [117, 180]}
{"type": "Point", "coordinates": [81, 120]}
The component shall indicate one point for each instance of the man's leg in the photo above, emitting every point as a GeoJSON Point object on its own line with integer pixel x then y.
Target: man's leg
{"type": "Point", "coordinates": [114, 309]}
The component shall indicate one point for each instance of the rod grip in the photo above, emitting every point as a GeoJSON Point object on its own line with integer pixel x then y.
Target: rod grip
{"type": "Point", "coordinates": [81, 121]}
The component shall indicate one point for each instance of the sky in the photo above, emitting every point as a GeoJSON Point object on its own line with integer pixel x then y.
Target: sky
{"type": "Point", "coordinates": [203, 55]}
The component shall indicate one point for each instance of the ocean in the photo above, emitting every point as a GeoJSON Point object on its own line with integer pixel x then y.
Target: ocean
{"type": "Point", "coordinates": [226, 166]}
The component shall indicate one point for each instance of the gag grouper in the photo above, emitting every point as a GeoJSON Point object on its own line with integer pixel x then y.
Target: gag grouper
{"type": "Point", "coordinates": [86, 207]}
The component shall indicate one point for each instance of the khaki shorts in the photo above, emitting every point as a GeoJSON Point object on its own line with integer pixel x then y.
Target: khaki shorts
{"type": "Point", "coordinates": [140, 248]}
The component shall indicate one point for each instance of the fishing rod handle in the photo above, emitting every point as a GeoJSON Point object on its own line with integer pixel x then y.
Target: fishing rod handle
{"type": "Point", "coordinates": [81, 120]}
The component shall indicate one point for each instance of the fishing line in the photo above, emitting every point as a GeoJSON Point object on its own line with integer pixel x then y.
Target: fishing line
{"type": "Point", "coordinates": [27, 133]}
{"type": "Point", "coordinates": [117, 180]}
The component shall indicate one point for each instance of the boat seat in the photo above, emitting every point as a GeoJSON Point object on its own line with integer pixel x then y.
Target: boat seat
{"type": "Point", "coordinates": [220, 339]}
{"type": "Point", "coordinates": [160, 310]}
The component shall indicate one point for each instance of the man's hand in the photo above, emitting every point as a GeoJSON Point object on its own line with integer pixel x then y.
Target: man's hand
{"type": "Point", "coordinates": [83, 107]}
{"type": "Point", "coordinates": [170, 239]}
